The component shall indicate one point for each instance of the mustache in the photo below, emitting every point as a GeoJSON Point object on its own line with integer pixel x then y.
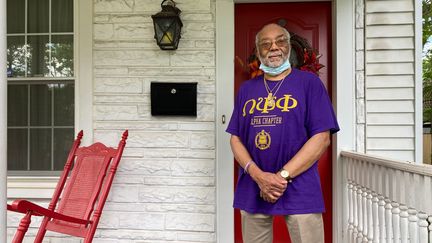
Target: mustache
{"type": "Point", "coordinates": [274, 53]}
{"type": "Point", "coordinates": [263, 58]}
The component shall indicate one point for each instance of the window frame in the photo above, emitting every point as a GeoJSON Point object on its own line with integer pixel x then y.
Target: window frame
{"type": "Point", "coordinates": [42, 186]}
{"type": "Point", "coordinates": [42, 77]}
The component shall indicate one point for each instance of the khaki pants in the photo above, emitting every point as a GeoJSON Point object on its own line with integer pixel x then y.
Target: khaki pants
{"type": "Point", "coordinates": [303, 228]}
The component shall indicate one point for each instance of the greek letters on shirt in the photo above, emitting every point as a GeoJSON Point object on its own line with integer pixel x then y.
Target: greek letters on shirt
{"type": "Point", "coordinates": [260, 109]}
{"type": "Point", "coordinates": [263, 106]}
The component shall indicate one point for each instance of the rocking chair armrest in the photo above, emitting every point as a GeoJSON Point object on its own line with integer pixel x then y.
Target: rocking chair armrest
{"type": "Point", "coordinates": [23, 206]}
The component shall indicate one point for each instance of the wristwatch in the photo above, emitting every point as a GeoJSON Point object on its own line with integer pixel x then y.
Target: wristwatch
{"type": "Point", "coordinates": [285, 174]}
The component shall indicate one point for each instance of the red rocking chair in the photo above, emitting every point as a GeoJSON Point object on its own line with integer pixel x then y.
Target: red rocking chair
{"type": "Point", "coordinates": [80, 193]}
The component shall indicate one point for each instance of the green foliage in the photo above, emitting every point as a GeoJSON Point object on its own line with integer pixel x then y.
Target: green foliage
{"type": "Point", "coordinates": [427, 62]}
{"type": "Point", "coordinates": [61, 63]}
{"type": "Point", "coordinates": [427, 88]}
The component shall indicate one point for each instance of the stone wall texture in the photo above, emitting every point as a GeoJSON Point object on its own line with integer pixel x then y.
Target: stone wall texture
{"type": "Point", "coordinates": [164, 190]}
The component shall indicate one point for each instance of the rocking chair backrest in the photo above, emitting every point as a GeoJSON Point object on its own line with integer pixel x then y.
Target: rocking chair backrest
{"type": "Point", "coordinates": [85, 182]}
{"type": "Point", "coordinates": [89, 183]}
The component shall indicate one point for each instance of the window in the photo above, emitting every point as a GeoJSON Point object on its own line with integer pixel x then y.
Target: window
{"type": "Point", "coordinates": [40, 59]}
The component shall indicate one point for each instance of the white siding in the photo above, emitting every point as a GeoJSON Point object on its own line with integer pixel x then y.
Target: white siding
{"type": "Point", "coordinates": [387, 131]}
{"type": "Point", "coordinates": [391, 94]}
{"type": "Point", "coordinates": [389, 79]}
{"type": "Point", "coordinates": [389, 6]}
{"type": "Point", "coordinates": [399, 81]}
{"type": "Point", "coordinates": [390, 43]}
{"type": "Point", "coordinates": [384, 56]}
{"type": "Point", "coordinates": [390, 119]}
{"type": "Point", "coordinates": [385, 19]}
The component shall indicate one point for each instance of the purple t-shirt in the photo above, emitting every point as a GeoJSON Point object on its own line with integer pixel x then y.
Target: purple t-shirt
{"type": "Point", "coordinates": [274, 133]}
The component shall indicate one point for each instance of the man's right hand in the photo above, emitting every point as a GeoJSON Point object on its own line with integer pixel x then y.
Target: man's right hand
{"type": "Point", "coordinates": [272, 185]}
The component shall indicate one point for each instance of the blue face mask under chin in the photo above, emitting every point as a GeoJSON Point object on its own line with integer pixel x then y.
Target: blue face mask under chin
{"type": "Point", "coordinates": [274, 71]}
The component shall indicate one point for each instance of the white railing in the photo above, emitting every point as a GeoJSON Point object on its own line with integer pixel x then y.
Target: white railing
{"type": "Point", "coordinates": [386, 201]}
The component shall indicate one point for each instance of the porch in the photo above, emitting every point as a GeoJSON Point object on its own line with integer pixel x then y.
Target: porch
{"type": "Point", "coordinates": [383, 200]}
{"type": "Point", "coordinates": [378, 200]}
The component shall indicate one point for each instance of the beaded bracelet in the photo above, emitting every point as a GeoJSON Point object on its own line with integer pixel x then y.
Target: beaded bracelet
{"type": "Point", "coordinates": [247, 166]}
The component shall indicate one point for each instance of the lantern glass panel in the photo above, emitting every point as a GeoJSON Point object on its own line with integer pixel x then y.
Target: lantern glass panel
{"type": "Point", "coordinates": [165, 31]}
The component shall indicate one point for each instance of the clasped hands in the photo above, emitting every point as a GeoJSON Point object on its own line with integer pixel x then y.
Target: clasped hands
{"type": "Point", "coordinates": [272, 186]}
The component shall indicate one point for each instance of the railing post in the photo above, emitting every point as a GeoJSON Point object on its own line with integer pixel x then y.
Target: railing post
{"type": "Point", "coordinates": [388, 219]}
{"type": "Point", "coordinates": [396, 221]}
{"type": "Point", "coordinates": [375, 218]}
{"type": "Point", "coordinates": [381, 219]}
{"type": "Point", "coordinates": [359, 213]}
{"type": "Point", "coordinates": [430, 228]}
{"type": "Point", "coordinates": [355, 213]}
{"type": "Point", "coordinates": [365, 213]}
{"type": "Point", "coordinates": [369, 217]}
{"type": "Point", "coordinates": [345, 234]}
{"type": "Point", "coordinates": [423, 228]}
{"type": "Point", "coordinates": [350, 230]}
{"type": "Point", "coordinates": [404, 224]}
{"type": "Point", "coordinates": [413, 225]}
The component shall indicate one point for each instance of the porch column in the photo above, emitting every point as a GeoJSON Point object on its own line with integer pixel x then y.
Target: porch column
{"type": "Point", "coordinates": [3, 121]}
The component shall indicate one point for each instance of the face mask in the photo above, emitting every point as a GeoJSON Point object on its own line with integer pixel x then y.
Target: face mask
{"type": "Point", "coordinates": [274, 71]}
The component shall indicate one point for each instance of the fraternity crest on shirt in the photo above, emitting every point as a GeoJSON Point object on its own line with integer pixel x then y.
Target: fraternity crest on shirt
{"type": "Point", "coordinates": [262, 140]}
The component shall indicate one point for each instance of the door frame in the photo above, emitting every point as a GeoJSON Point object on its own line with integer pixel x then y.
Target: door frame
{"type": "Point", "coordinates": [344, 103]}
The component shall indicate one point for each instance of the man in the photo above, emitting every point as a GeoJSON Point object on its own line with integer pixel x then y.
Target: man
{"type": "Point", "coordinates": [281, 125]}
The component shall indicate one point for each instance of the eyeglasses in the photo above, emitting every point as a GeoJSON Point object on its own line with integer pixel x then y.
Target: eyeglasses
{"type": "Point", "coordinates": [266, 45]}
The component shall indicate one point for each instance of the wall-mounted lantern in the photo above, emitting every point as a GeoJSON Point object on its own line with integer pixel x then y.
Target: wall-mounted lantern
{"type": "Point", "coordinates": [167, 26]}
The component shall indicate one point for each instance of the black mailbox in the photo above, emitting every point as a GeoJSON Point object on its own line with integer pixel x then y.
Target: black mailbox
{"type": "Point", "coordinates": [173, 99]}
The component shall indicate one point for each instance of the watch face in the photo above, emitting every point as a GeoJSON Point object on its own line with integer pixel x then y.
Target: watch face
{"type": "Point", "coordinates": [284, 174]}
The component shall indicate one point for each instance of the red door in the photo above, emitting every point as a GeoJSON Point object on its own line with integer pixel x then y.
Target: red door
{"type": "Point", "coordinates": [312, 21]}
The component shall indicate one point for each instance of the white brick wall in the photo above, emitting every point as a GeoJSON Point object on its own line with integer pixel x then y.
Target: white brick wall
{"type": "Point", "coordinates": [164, 190]}
{"type": "Point", "coordinates": [360, 76]}
{"type": "Point", "coordinates": [165, 187]}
